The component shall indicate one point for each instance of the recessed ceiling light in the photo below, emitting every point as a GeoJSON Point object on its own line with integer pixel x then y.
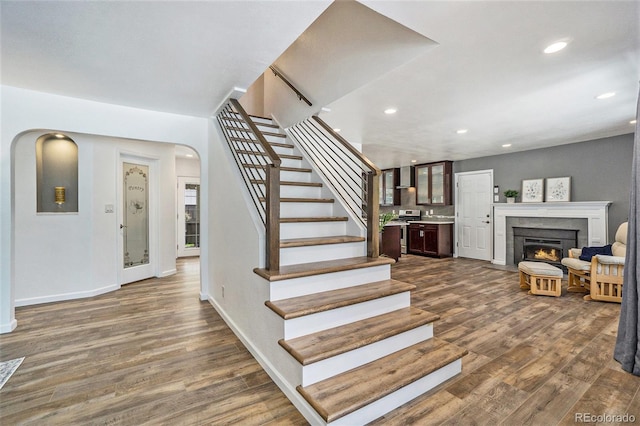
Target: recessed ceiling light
{"type": "Point", "coordinates": [189, 155]}
{"type": "Point", "coordinates": [462, 131]}
{"type": "Point", "coordinates": [414, 161]}
{"type": "Point", "coordinates": [633, 121]}
{"type": "Point", "coordinates": [325, 109]}
{"type": "Point", "coordinates": [606, 95]}
{"type": "Point", "coordinates": [506, 145]}
{"type": "Point", "coordinates": [555, 47]}
{"type": "Point", "coordinates": [390, 111]}
{"type": "Point", "coordinates": [336, 130]}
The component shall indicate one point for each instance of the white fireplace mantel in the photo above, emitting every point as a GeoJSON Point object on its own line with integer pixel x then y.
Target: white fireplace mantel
{"type": "Point", "coordinates": [596, 213]}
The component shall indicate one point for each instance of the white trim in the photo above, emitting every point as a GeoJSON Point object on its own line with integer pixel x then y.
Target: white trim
{"type": "Point", "coordinates": [167, 273]}
{"type": "Point", "coordinates": [9, 327]}
{"type": "Point", "coordinates": [596, 213]}
{"type": "Point", "coordinates": [67, 296]}
{"type": "Point", "coordinates": [292, 394]}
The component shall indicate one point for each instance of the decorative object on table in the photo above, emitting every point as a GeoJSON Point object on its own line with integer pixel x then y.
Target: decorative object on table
{"type": "Point", "coordinates": [7, 368]}
{"type": "Point", "coordinates": [558, 189]}
{"type": "Point", "coordinates": [532, 190]}
{"type": "Point", "coordinates": [511, 195]}
{"type": "Point", "coordinates": [386, 218]}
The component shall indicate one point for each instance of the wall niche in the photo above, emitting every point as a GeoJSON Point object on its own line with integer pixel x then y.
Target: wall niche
{"type": "Point", "coordinates": [56, 174]}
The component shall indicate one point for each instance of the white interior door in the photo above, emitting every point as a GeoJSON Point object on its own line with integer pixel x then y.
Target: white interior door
{"type": "Point", "coordinates": [136, 216]}
{"type": "Point", "coordinates": [473, 204]}
{"type": "Point", "coordinates": [188, 216]}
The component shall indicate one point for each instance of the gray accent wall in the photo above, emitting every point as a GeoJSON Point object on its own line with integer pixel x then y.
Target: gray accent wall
{"type": "Point", "coordinates": [600, 170]}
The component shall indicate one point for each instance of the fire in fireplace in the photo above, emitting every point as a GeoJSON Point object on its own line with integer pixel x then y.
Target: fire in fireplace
{"type": "Point", "coordinates": [543, 244]}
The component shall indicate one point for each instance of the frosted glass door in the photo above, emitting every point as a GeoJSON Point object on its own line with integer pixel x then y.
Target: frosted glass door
{"type": "Point", "coordinates": [135, 224]}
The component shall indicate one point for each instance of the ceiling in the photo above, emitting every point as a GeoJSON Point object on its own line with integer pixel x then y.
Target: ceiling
{"type": "Point", "coordinates": [485, 73]}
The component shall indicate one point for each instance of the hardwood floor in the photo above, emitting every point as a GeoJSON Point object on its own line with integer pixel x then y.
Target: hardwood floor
{"type": "Point", "coordinates": [152, 353]}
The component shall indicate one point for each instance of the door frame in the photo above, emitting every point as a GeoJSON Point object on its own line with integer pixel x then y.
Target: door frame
{"type": "Point", "coordinates": [456, 199]}
{"type": "Point", "coordinates": [181, 251]}
{"type": "Point", "coordinates": [154, 248]}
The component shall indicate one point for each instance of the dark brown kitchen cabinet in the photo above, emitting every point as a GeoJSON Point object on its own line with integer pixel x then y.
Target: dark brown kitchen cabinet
{"type": "Point", "coordinates": [389, 193]}
{"type": "Point", "coordinates": [433, 184]}
{"type": "Point", "coordinates": [430, 239]}
{"type": "Point", "coordinates": [390, 242]}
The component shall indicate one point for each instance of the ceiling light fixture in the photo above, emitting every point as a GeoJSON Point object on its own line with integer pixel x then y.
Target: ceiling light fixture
{"type": "Point", "coordinates": [336, 130]}
{"type": "Point", "coordinates": [390, 111]}
{"type": "Point", "coordinates": [606, 95]}
{"type": "Point", "coordinates": [414, 161]}
{"type": "Point", "coordinates": [462, 131]}
{"type": "Point", "coordinates": [506, 145]}
{"type": "Point", "coordinates": [633, 121]}
{"type": "Point", "coordinates": [189, 155]}
{"type": "Point", "coordinates": [555, 47]}
{"type": "Point", "coordinates": [325, 109]}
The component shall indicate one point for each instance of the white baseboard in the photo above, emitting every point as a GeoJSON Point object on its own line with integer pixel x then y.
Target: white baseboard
{"type": "Point", "coordinates": [167, 273]}
{"type": "Point", "coordinates": [291, 393]}
{"type": "Point", "coordinates": [204, 296]}
{"type": "Point", "coordinates": [66, 296]}
{"type": "Point", "coordinates": [9, 327]}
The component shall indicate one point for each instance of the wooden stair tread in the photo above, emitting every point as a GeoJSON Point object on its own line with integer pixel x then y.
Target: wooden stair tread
{"type": "Point", "coordinates": [324, 301]}
{"type": "Point", "coordinates": [282, 169]}
{"type": "Point", "coordinates": [303, 200]}
{"type": "Point", "coordinates": [248, 140]}
{"type": "Point", "coordinates": [288, 182]}
{"type": "Point", "coordinates": [277, 135]}
{"type": "Point", "coordinates": [263, 154]}
{"type": "Point", "coordinates": [323, 267]}
{"type": "Point", "coordinates": [335, 341]}
{"type": "Point", "coordinates": [318, 241]}
{"type": "Point", "coordinates": [314, 219]}
{"type": "Point", "coordinates": [347, 392]}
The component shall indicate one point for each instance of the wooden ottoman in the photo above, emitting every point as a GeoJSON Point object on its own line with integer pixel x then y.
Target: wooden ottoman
{"type": "Point", "coordinates": [542, 278]}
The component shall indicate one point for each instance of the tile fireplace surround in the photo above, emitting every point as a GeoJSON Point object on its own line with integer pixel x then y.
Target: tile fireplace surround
{"type": "Point", "coordinates": [596, 213]}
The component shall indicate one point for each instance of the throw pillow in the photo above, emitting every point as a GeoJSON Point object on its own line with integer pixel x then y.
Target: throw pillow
{"type": "Point", "coordinates": [589, 252]}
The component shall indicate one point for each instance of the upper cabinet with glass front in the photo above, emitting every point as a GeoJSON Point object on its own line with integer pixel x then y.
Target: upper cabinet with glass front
{"type": "Point", "coordinates": [389, 193]}
{"type": "Point", "coordinates": [433, 183]}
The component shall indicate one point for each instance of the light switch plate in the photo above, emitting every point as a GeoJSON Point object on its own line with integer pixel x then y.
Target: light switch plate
{"type": "Point", "coordinates": [108, 208]}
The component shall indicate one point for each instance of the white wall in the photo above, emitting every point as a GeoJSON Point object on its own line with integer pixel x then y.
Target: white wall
{"type": "Point", "coordinates": [23, 111]}
{"type": "Point", "coordinates": [75, 255]}
{"type": "Point", "coordinates": [187, 167]}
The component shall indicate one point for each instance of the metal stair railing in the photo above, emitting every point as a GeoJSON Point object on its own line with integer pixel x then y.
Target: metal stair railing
{"type": "Point", "coordinates": [354, 178]}
{"type": "Point", "coordinates": [259, 165]}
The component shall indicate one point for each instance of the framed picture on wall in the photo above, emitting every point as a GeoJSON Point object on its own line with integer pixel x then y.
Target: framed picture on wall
{"type": "Point", "coordinates": [558, 189]}
{"type": "Point", "coordinates": [532, 190]}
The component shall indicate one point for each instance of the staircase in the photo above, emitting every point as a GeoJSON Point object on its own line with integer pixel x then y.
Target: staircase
{"type": "Point", "coordinates": [351, 344]}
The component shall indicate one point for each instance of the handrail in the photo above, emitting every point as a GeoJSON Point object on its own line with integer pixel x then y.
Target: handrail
{"type": "Point", "coordinates": [291, 86]}
{"type": "Point", "coordinates": [354, 178]}
{"type": "Point", "coordinates": [260, 169]}
{"type": "Point", "coordinates": [348, 146]}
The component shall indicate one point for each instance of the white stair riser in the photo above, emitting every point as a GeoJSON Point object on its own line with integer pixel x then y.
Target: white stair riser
{"type": "Point", "coordinates": [400, 397]}
{"type": "Point", "coordinates": [281, 150]}
{"type": "Point", "coordinates": [275, 139]}
{"type": "Point", "coordinates": [288, 162]}
{"type": "Point", "coordinates": [330, 367]}
{"type": "Point", "coordinates": [305, 209]}
{"type": "Point", "coordinates": [308, 324]}
{"type": "Point", "coordinates": [307, 254]}
{"type": "Point", "coordinates": [295, 176]}
{"type": "Point", "coordinates": [303, 286]}
{"type": "Point", "coordinates": [295, 191]}
{"type": "Point", "coordinates": [312, 229]}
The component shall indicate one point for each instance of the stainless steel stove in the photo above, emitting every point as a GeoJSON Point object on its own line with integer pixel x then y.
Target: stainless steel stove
{"type": "Point", "coordinates": [404, 217]}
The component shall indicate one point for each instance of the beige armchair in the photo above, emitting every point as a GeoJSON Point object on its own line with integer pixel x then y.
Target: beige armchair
{"type": "Point", "coordinates": [602, 278]}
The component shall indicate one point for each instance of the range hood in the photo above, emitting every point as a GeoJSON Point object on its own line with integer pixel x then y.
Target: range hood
{"type": "Point", "coordinates": [407, 177]}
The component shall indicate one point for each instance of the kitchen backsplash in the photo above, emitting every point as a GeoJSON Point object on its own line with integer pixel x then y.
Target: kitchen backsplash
{"type": "Point", "coordinates": [408, 198]}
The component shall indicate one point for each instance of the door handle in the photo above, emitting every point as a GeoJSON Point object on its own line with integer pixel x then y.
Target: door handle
{"type": "Point", "coordinates": [486, 221]}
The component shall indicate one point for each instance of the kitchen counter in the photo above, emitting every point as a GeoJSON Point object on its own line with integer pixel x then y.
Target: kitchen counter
{"type": "Point", "coordinates": [435, 221]}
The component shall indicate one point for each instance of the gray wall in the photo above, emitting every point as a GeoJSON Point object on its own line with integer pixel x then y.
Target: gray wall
{"type": "Point", "coordinates": [600, 170]}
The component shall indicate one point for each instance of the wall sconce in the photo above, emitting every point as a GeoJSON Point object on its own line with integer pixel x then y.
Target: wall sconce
{"type": "Point", "coordinates": [60, 195]}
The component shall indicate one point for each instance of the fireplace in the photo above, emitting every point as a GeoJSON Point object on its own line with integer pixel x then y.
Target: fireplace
{"type": "Point", "coordinates": [548, 245]}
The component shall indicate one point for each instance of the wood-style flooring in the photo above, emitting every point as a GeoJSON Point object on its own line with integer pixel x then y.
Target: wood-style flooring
{"type": "Point", "coordinates": [153, 353]}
